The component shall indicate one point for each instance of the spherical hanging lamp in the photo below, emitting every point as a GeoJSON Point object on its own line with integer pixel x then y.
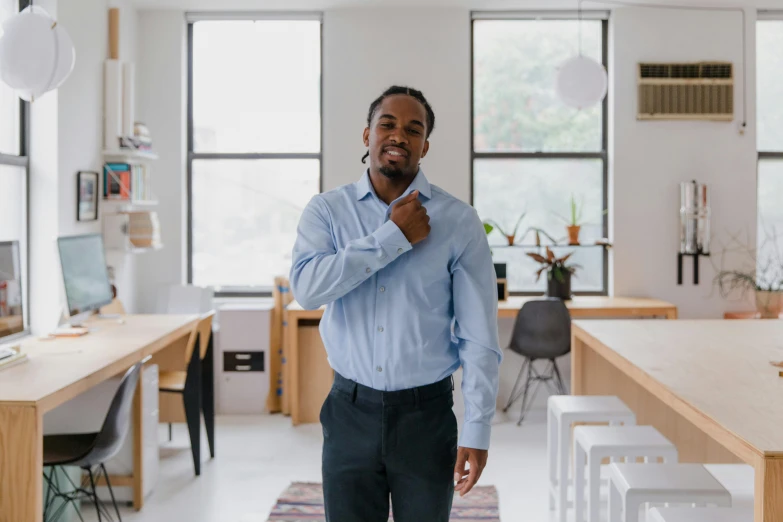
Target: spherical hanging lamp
{"type": "Point", "coordinates": [36, 54]}
{"type": "Point", "coordinates": [581, 82]}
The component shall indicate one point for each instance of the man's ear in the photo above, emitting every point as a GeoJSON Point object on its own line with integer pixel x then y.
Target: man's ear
{"type": "Point", "coordinates": [426, 148]}
{"type": "Point", "coordinates": [366, 137]}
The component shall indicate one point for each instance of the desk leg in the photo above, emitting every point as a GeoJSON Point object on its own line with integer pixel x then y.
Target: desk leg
{"type": "Point", "coordinates": [577, 361]}
{"type": "Point", "coordinates": [769, 490]}
{"type": "Point", "coordinates": [138, 447]}
{"type": "Point", "coordinates": [21, 463]}
{"type": "Point", "coordinates": [293, 368]}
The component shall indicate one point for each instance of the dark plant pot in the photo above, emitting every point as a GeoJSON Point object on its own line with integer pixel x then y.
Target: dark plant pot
{"type": "Point", "coordinates": [557, 288]}
{"type": "Point", "coordinates": [500, 270]}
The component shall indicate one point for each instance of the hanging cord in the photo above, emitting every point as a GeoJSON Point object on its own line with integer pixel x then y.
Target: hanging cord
{"type": "Point", "coordinates": [621, 3]}
{"type": "Point", "coordinates": [579, 17]}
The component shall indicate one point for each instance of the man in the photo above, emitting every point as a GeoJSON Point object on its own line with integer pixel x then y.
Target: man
{"type": "Point", "coordinates": [397, 261]}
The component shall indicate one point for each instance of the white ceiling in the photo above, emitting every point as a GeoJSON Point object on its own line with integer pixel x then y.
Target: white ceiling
{"type": "Point", "coordinates": [225, 5]}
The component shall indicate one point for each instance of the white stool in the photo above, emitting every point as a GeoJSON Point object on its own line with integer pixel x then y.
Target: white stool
{"type": "Point", "coordinates": [632, 485]}
{"type": "Point", "coordinates": [562, 412]}
{"type": "Point", "coordinates": [739, 479]}
{"type": "Point", "coordinates": [713, 514]}
{"type": "Point", "coordinates": [599, 442]}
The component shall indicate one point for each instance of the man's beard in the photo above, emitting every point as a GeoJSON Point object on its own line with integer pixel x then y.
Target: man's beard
{"type": "Point", "coordinates": [392, 172]}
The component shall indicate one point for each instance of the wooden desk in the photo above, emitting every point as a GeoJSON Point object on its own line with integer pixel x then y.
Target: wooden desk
{"type": "Point", "coordinates": [57, 371]}
{"type": "Point", "coordinates": [599, 306]}
{"type": "Point", "coordinates": [706, 385]}
{"type": "Point", "coordinates": [308, 376]}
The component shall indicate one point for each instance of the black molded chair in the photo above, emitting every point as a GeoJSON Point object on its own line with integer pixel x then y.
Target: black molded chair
{"type": "Point", "coordinates": [542, 331]}
{"type": "Point", "coordinates": [89, 451]}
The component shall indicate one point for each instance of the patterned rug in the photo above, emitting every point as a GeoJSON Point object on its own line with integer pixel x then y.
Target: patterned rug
{"type": "Point", "coordinates": [304, 502]}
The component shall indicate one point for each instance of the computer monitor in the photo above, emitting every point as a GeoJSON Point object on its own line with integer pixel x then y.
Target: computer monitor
{"type": "Point", "coordinates": [85, 273]}
{"type": "Point", "coordinates": [11, 304]}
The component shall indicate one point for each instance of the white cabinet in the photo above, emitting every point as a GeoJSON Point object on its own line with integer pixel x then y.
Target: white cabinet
{"type": "Point", "coordinates": [242, 357]}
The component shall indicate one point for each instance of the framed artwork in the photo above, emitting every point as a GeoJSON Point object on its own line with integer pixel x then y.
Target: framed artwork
{"type": "Point", "coordinates": [87, 196]}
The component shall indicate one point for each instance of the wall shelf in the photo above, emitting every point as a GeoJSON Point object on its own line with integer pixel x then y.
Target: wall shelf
{"type": "Point", "coordinates": [129, 155]}
{"type": "Point", "coordinates": [582, 245]}
{"type": "Point", "coordinates": [125, 205]}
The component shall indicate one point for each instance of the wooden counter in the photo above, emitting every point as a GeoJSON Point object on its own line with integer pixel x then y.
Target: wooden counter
{"type": "Point", "coordinates": [308, 376]}
{"type": "Point", "coordinates": [708, 386]}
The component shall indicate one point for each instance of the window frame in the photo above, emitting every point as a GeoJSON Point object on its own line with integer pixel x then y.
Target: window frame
{"type": "Point", "coordinates": [22, 159]}
{"type": "Point", "coordinates": [764, 16]}
{"type": "Point", "coordinates": [195, 17]}
{"type": "Point", "coordinates": [602, 155]}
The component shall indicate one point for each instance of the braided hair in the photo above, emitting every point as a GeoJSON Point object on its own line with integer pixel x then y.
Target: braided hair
{"type": "Point", "coordinates": [396, 89]}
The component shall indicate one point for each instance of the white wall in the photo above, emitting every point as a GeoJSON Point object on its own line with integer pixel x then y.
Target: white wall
{"type": "Point", "coordinates": [360, 63]}
{"type": "Point", "coordinates": [67, 137]}
{"type": "Point", "coordinates": [650, 159]}
{"type": "Point", "coordinates": [161, 76]}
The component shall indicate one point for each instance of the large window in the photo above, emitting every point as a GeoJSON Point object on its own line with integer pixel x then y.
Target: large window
{"type": "Point", "coordinates": [531, 152]}
{"type": "Point", "coordinates": [13, 166]}
{"type": "Point", "coordinates": [254, 147]}
{"type": "Point", "coordinates": [769, 38]}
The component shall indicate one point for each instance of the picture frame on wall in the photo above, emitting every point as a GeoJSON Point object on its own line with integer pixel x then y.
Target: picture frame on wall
{"type": "Point", "coordinates": [87, 196]}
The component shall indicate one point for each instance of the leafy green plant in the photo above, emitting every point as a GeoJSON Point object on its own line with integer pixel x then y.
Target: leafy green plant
{"type": "Point", "coordinates": [490, 225]}
{"type": "Point", "coordinates": [576, 213]}
{"type": "Point", "coordinates": [556, 267]}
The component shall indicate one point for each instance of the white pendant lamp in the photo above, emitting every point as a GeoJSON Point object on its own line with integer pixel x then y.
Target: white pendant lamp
{"type": "Point", "coordinates": [581, 81]}
{"type": "Point", "coordinates": [36, 54]}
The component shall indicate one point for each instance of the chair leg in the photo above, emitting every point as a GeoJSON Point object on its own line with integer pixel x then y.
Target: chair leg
{"type": "Point", "coordinates": [170, 433]}
{"type": "Point", "coordinates": [208, 395]}
{"type": "Point", "coordinates": [563, 390]}
{"type": "Point", "coordinates": [111, 493]}
{"type": "Point", "coordinates": [513, 396]}
{"type": "Point", "coordinates": [528, 383]}
{"type": "Point", "coordinates": [193, 418]}
{"type": "Point", "coordinates": [94, 494]}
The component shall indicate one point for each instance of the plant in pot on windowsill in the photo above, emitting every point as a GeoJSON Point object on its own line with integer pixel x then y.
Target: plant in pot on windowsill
{"type": "Point", "coordinates": [490, 225]}
{"type": "Point", "coordinates": [558, 273]}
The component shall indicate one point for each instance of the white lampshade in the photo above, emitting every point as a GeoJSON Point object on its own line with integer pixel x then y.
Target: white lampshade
{"type": "Point", "coordinates": [36, 54]}
{"type": "Point", "coordinates": [581, 82]}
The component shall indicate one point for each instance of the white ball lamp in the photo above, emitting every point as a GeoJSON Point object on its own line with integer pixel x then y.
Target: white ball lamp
{"type": "Point", "coordinates": [36, 54]}
{"type": "Point", "coordinates": [581, 82]}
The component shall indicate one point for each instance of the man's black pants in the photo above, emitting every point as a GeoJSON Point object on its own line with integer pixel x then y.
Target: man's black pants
{"type": "Point", "coordinates": [377, 445]}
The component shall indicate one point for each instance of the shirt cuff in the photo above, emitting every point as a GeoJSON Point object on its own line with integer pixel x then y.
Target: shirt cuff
{"type": "Point", "coordinates": [475, 435]}
{"type": "Point", "coordinates": [392, 240]}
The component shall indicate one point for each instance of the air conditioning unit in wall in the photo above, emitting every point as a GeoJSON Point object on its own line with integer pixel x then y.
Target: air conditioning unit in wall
{"type": "Point", "coordinates": [686, 91]}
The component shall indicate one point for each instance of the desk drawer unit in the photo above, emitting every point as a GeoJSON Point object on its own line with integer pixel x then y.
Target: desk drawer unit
{"type": "Point", "coordinates": [243, 361]}
{"type": "Point", "coordinates": [242, 358]}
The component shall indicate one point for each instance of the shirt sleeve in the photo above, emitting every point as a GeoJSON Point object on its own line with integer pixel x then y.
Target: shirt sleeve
{"type": "Point", "coordinates": [321, 273]}
{"type": "Point", "coordinates": [476, 330]}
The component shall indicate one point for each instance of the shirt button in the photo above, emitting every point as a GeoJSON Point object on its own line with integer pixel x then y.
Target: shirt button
{"type": "Point", "coordinates": [399, 251]}
{"type": "Point", "coordinates": [380, 328]}
{"type": "Point", "coordinates": [382, 289]}
{"type": "Point", "coordinates": [379, 369]}
{"type": "Point", "coordinates": [368, 270]}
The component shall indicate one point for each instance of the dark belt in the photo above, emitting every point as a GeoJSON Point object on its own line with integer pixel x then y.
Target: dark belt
{"type": "Point", "coordinates": [410, 396]}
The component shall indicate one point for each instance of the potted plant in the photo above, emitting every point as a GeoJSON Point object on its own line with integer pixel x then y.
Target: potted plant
{"type": "Point", "coordinates": [558, 271]}
{"type": "Point", "coordinates": [574, 221]}
{"type": "Point", "coordinates": [768, 294]}
{"type": "Point", "coordinates": [490, 225]}
{"type": "Point", "coordinates": [763, 277]}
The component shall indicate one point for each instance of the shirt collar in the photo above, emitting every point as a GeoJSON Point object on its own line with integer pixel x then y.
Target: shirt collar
{"type": "Point", "coordinates": [364, 186]}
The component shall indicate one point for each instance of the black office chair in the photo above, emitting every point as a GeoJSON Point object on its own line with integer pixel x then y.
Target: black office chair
{"type": "Point", "coordinates": [542, 331]}
{"type": "Point", "coordinates": [89, 451]}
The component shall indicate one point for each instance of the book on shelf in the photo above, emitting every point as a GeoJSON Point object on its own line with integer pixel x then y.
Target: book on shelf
{"type": "Point", "coordinates": [125, 182]}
